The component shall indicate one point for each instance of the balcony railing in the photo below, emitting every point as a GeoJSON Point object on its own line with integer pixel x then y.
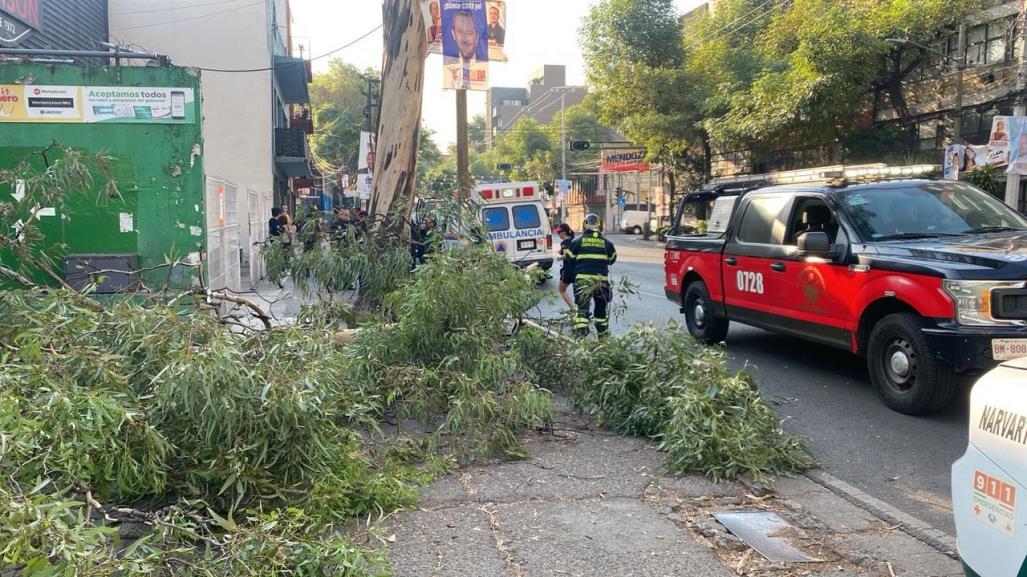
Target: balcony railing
{"type": "Point", "coordinates": [291, 142]}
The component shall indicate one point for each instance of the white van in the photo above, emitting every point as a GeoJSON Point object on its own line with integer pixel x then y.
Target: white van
{"type": "Point", "coordinates": [633, 221]}
{"type": "Point", "coordinates": [517, 222]}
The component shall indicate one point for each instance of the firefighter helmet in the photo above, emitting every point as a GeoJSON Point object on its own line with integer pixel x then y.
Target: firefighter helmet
{"type": "Point", "coordinates": [593, 222]}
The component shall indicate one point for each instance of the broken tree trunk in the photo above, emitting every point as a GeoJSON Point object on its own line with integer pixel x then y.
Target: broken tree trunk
{"type": "Point", "coordinates": [399, 124]}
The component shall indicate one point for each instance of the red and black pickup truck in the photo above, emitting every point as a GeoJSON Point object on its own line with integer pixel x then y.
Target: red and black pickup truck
{"type": "Point", "coordinates": [927, 279]}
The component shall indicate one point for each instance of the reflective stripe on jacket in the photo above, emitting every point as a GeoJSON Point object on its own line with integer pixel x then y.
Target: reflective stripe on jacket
{"type": "Point", "coordinates": [591, 255]}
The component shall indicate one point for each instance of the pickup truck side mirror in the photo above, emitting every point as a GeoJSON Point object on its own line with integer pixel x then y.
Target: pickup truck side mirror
{"type": "Point", "coordinates": [814, 243]}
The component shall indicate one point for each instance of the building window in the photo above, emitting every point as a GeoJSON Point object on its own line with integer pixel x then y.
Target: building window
{"type": "Point", "coordinates": [985, 43]}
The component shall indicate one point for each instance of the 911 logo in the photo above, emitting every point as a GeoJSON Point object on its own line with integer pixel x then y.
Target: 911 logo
{"type": "Point", "coordinates": [812, 285]}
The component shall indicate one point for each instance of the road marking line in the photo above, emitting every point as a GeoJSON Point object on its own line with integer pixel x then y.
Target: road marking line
{"type": "Point", "coordinates": [914, 527]}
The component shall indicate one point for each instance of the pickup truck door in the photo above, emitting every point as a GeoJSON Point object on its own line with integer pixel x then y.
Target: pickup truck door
{"type": "Point", "coordinates": [816, 291]}
{"type": "Point", "coordinates": [753, 288]}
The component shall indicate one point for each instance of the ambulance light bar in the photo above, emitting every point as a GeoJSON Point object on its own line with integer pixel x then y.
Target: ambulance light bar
{"type": "Point", "coordinates": [506, 191]}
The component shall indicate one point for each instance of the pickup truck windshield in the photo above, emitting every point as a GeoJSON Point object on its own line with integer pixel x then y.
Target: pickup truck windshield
{"type": "Point", "coordinates": [926, 210]}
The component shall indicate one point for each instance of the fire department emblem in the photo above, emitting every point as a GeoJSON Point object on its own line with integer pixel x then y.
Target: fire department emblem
{"type": "Point", "coordinates": [812, 284]}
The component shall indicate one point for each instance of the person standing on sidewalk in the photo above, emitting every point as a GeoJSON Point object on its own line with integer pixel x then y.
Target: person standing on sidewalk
{"type": "Point", "coordinates": [566, 234]}
{"type": "Point", "coordinates": [591, 256]}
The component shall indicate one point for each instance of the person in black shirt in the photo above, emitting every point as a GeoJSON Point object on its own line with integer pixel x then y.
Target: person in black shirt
{"type": "Point", "coordinates": [566, 234]}
{"type": "Point", "coordinates": [274, 226]}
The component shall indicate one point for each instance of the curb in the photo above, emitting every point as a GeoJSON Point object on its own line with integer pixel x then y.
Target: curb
{"type": "Point", "coordinates": [916, 528]}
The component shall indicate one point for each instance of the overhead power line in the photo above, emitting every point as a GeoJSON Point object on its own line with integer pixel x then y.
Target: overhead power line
{"type": "Point", "coordinates": [280, 66]}
{"type": "Point", "coordinates": [737, 28]}
{"type": "Point", "coordinates": [708, 32]}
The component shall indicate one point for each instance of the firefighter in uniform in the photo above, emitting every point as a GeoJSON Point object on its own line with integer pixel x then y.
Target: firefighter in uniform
{"type": "Point", "coordinates": [590, 256]}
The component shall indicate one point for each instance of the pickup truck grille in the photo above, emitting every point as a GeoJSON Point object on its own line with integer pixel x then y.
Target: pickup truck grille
{"type": "Point", "coordinates": [1009, 304]}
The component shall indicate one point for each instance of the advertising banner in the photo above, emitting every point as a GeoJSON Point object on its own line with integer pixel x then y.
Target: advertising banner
{"type": "Point", "coordinates": [496, 12]}
{"type": "Point", "coordinates": [624, 160]}
{"type": "Point", "coordinates": [1018, 148]}
{"type": "Point", "coordinates": [18, 19]}
{"type": "Point", "coordinates": [953, 161]}
{"type": "Point", "coordinates": [465, 48]}
{"type": "Point", "coordinates": [998, 141]}
{"type": "Point", "coordinates": [97, 104]}
{"type": "Point", "coordinates": [130, 104]}
{"type": "Point", "coordinates": [365, 165]}
{"type": "Point", "coordinates": [432, 13]}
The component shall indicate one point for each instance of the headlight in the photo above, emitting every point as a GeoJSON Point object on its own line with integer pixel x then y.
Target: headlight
{"type": "Point", "coordinates": [973, 300]}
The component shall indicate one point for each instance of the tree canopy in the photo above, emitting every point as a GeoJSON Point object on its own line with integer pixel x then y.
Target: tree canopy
{"type": "Point", "coordinates": [338, 99]}
{"type": "Point", "coordinates": [755, 75]}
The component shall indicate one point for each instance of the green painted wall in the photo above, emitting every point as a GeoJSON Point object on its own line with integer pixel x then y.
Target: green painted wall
{"type": "Point", "coordinates": [158, 169]}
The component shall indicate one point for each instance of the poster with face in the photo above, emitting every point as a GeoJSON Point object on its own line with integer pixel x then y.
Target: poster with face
{"type": "Point", "coordinates": [998, 141]}
{"type": "Point", "coordinates": [365, 165]}
{"type": "Point", "coordinates": [1018, 150]}
{"type": "Point", "coordinates": [431, 10]}
{"type": "Point", "coordinates": [496, 30]}
{"type": "Point", "coordinates": [465, 45]}
{"type": "Point", "coordinates": [953, 161]}
{"type": "Point", "coordinates": [974, 157]}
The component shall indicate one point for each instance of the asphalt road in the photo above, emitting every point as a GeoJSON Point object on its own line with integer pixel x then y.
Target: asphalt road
{"type": "Point", "coordinates": [824, 395]}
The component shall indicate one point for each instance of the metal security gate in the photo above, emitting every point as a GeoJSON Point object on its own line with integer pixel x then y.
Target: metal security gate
{"type": "Point", "coordinates": [215, 234]}
{"type": "Point", "coordinates": [223, 266]}
{"type": "Point", "coordinates": [258, 235]}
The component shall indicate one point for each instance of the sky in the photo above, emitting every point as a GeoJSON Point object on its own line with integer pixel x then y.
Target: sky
{"type": "Point", "coordinates": [538, 32]}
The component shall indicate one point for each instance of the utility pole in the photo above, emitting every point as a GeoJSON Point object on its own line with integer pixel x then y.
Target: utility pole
{"type": "Point", "coordinates": [563, 155]}
{"type": "Point", "coordinates": [649, 209]}
{"type": "Point", "coordinates": [463, 170]}
{"type": "Point", "coordinates": [957, 124]}
{"type": "Point", "coordinates": [1013, 180]}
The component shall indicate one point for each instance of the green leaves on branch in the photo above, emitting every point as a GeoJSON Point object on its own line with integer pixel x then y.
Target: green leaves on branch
{"type": "Point", "coordinates": [667, 386]}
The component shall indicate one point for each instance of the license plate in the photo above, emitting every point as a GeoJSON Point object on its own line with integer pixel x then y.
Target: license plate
{"type": "Point", "coordinates": [526, 244]}
{"type": "Point", "coordinates": [1008, 349]}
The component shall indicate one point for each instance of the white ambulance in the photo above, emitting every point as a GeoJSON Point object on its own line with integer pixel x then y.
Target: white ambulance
{"type": "Point", "coordinates": [517, 222]}
{"type": "Point", "coordinates": [989, 483]}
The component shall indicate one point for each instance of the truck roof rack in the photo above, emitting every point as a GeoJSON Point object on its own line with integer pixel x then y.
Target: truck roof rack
{"type": "Point", "coordinates": [837, 175]}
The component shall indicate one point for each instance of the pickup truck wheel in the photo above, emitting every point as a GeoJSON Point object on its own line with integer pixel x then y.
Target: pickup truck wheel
{"type": "Point", "coordinates": [702, 323]}
{"type": "Point", "coordinates": [902, 367]}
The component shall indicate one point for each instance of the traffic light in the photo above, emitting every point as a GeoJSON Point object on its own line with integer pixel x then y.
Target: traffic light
{"type": "Point", "coordinates": [580, 145]}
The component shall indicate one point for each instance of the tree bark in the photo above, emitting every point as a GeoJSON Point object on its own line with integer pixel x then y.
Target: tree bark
{"type": "Point", "coordinates": [399, 124]}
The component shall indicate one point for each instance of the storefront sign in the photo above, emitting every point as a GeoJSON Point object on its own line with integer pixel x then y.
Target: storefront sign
{"type": "Point", "coordinates": [18, 18]}
{"type": "Point", "coordinates": [97, 104]}
{"type": "Point", "coordinates": [624, 160]}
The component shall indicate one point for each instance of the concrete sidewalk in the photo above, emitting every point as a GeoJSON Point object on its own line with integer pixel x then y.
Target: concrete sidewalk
{"type": "Point", "coordinates": [589, 503]}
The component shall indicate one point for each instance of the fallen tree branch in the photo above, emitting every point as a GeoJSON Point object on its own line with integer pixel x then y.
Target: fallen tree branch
{"type": "Point", "coordinates": [14, 276]}
{"type": "Point", "coordinates": [258, 312]}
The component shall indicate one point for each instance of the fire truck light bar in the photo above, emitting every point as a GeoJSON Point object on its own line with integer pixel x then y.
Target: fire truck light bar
{"type": "Point", "coordinates": [881, 173]}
